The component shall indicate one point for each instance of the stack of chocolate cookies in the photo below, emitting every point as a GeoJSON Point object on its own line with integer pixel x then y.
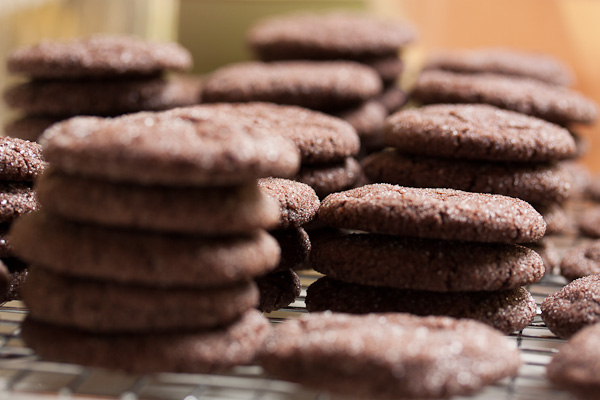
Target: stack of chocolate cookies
{"type": "Point", "coordinates": [428, 252]}
{"type": "Point", "coordinates": [151, 233]}
{"type": "Point", "coordinates": [103, 75]}
{"type": "Point", "coordinates": [21, 162]}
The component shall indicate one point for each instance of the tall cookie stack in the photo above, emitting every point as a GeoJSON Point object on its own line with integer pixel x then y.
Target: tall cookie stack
{"type": "Point", "coordinates": [103, 75]}
{"type": "Point", "coordinates": [429, 252]}
{"type": "Point", "coordinates": [150, 235]}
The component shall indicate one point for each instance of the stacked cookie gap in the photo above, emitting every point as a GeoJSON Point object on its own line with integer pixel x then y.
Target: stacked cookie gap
{"type": "Point", "coordinates": [103, 75]}
{"type": "Point", "coordinates": [144, 255]}
{"type": "Point", "coordinates": [428, 252]}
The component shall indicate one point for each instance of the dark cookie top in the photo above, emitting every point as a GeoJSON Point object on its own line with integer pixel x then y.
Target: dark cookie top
{"type": "Point", "coordinates": [581, 260]}
{"type": "Point", "coordinates": [298, 202]}
{"type": "Point", "coordinates": [552, 103]}
{"type": "Point", "coordinates": [503, 61]}
{"type": "Point", "coordinates": [328, 36]}
{"type": "Point", "coordinates": [21, 160]}
{"type": "Point", "coordinates": [319, 137]}
{"type": "Point", "coordinates": [574, 307]}
{"type": "Point", "coordinates": [317, 85]}
{"type": "Point", "coordinates": [361, 354]}
{"type": "Point", "coordinates": [433, 213]}
{"type": "Point", "coordinates": [97, 56]}
{"type": "Point", "coordinates": [192, 147]}
{"type": "Point", "coordinates": [478, 132]}
{"type": "Point", "coordinates": [16, 199]}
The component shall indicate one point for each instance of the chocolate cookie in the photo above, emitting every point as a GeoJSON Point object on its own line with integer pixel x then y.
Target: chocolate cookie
{"type": "Point", "coordinates": [29, 127]}
{"type": "Point", "coordinates": [367, 119]}
{"type": "Point", "coordinates": [552, 103]}
{"type": "Point", "coordinates": [555, 216]}
{"type": "Point", "coordinates": [93, 251]}
{"type": "Point", "coordinates": [388, 68]}
{"type": "Point", "coordinates": [389, 355]}
{"type": "Point", "coordinates": [295, 247]}
{"type": "Point", "coordinates": [589, 222]}
{"type": "Point", "coordinates": [298, 202]}
{"type": "Point", "coordinates": [330, 178]}
{"type": "Point", "coordinates": [97, 56]}
{"type": "Point", "coordinates": [574, 307]}
{"type": "Point", "coordinates": [407, 263]}
{"type": "Point", "coordinates": [392, 98]}
{"type": "Point", "coordinates": [576, 365]}
{"type": "Point", "coordinates": [118, 308]}
{"type": "Point", "coordinates": [477, 132]}
{"type": "Point", "coordinates": [6, 249]}
{"type": "Point", "coordinates": [21, 160]}
{"type": "Point", "coordinates": [201, 210]}
{"type": "Point", "coordinates": [549, 253]}
{"type": "Point", "coordinates": [188, 351]}
{"type": "Point", "coordinates": [503, 61]}
{"type": "Point", "coordinates": [328, 36]}
{"type": "Point", "coordinates": [506, 310]}
{"type": "Point", "coordinates": [4, 282]}
{"type": "Point", "coordinates": [18, 272]}
{"type": "Point", "coordinates": [277, 290]}
{"type": "Point", "coordinates": [102, 97]}
{"type": "Point", "coordinates": [316, 85]}
{"type": "Point", "coordinates": [530, 182]}
{"type": "Point", "coordinates": [433, 213]}
{"type": "Point", "coordinates": [581, 260]}
{"type": "Point", "coordinates": [16, 199]}
{"type": "Point", "coordinates": [194, 147]}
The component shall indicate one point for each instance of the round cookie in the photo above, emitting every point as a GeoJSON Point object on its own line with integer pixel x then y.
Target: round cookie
{"type": "Point", "coordinates": [581, 260]}
{"type": "Point", "coordinates": [29, 127]}
{"type": "Point", "coordinates": [506, 310]}
{"type": "Point", "coordinates": [277, 290]}
{"type": "Point", "coordinates": [530, 182]}
{"type": "Point", "coordinates": [119, 308]}
{"type": "Point", "coordinates": [527, 96]}
{"type": "Point", "coordinates": [102, 97]}
{"type": "Point", "coordinates": [384, 356]}
{"type": "Point", "coordinates": [393, 98]}
{"type": "Point", "coordinates": [140, 257]}
{"type": "Point", "coordinates": [589, 222]}
{"type": "Point", "coordinates": [368, 119]}
{"type": "Point", "coordinates": [189, 351]}
{"type": "Point", "coordinates": [330, 178]}
{"type": "Point", "coordinates": [16, 199]}
{"type": "Point", "coordinates": [298, 202]}
{"type": "Point", "coordinates": [21, 160]}
{"type": "Point", "coordinates": [371, 259]}
{"type": "Point", "coordinates": [295, 247]}
{"type": "Point", "coordinates": [194, 147]}
{"type": "Point", "coordinates": [433, 213]}
{"type": "Point", "coordinates": [316, 85]}
{"type": "Point", "coordinates": [555, 216]}
{"type": "Point", "coordinates": [576, 367]}
{"type": "Point", "coordinates": [574, 307]}
{"type": "Point", "coordinates": [97, 56]}
{"type": "Point", "coordinates": [388, 68]}
{"type": "Point", "coordinates": [202, 210]}
{"type": "Point", "coordinates": [503, 61]}
{"type": "Point", "coordinates": [328, 36]}
{"type": "Point", "coordinates": [477, 132]}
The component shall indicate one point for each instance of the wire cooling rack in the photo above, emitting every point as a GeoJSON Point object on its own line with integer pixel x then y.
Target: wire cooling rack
{"type": "Point", "coordinates": [24, 376]}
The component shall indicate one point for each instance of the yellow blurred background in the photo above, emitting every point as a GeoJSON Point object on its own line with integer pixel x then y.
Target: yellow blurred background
{"type": "Point", "coordinates": [214, 29]}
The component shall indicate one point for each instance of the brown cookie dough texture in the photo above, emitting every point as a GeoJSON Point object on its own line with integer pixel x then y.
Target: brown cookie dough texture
{"type": "Point", "coordinates": [277, 290]}
{"type": "Point", "coordinates": [197, 351]}
{"type": "Point", "coordinates": [433, 213]}
{"type": "Point", "coordinates": [576, 367]}
{"type": "Point", "coordinates": [298, 202]}
{"type": "Point", "coordinates": [97, 56]}
{"type": "Point", "coordinates": [330, 178]}
{"type": "Point", "coordinates": [477, 132]}
{"type": "Point", "coordinates": [6, 248]}
{"type": "Point", "coordinates": [557, 220]}
{"type": "Point", "coordinates": [214, 210]}
{"type": "Point", "coordinates": [393, 98]}
{"type": "Point", "coordinates": [295, 247]}
{"type": "Point", "coordinates": [542, 182]}
{"type": "Point", "coordinates": [574, 307]}
{"type": "Point", "coordinates": [29, 127]}
{"type": "Point", "coordinates": [21, 160]}
{"type": "Point", "coordinates": [16, 199]}
{"type": "Point", "coordinates": [316, 85]}
{"type": "Point", "coordinates": [328, 36]}
{"type": "Point", "coordinates": [193, 147]}
{"type": "Point", "coordinates": [4, 282]}
{"type": "Point", "coordinates": [388, 68]}
{"type": "Point", "coordinates": [589, 222]}
{"type": "Point", "coordinates": [527, 96]}
{"type": "Point", "coordinates": [92, 251]}
{"type": "Point", "coordinates": [503, 61]}
{"type": "Point", "coordinates": [506, 310]}
{"type": "Point", "coordinates": [581, 260]}
{"type": "Point", "coordinates": [368, 119]}
{"type": "Point", "coordinates": [407, 263]}
{"type": "Point", "coordinates": [389, 355]}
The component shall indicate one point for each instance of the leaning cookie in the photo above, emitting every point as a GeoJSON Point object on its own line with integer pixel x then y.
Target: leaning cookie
{"type": "Point", "coordinates": [330, 178]}
{"type": "Point", "coordinates": [576, 367]}
{"type": "Point", "coordinates": [21, 160]}
{"type": "Point", "coordinates": [298, 202]}
{"type": "Point", "coordinates": [573, 307]}
{"type": "Point", "coordinates": [187, 351]}
{"type": "Point", "coordinates": [383, 356]}
{"type": "Point", "coordinates": [506, 310]}
{"type": "Point", "coordinates": [433, 213]}
{"type": "Point", "coordinates": [581, 260]}
{"type": "Point", "coordinates": [277, 290]}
